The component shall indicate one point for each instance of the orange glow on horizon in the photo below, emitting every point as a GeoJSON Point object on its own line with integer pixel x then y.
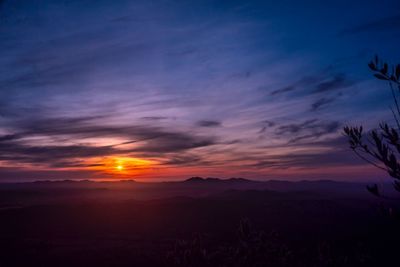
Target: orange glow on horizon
{"type": "Point", "coordinates": [122, 166]}
{"type": "Point", "coordinates": [119, 167]}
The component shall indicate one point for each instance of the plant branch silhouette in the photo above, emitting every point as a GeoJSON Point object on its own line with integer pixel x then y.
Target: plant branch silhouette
{"type": "Point", "coordinates": [381, 147]}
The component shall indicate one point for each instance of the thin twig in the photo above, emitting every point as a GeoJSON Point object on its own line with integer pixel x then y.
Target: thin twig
{"type": "Point", "coordinates": [369, 161]}
{"type": "Point", "coordinates": [395, 101]}
{"type": "Point", "coordinates": [395, 117]}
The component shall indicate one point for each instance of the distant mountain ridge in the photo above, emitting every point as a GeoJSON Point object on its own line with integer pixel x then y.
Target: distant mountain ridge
{"type": "Point", "coordinates": [37, 192]}
{"type": "Point", "coordinates": [193, 180]}
{"type": "Point", "coordinates": [212, 179]}
{"type": "Point", "coordinates": [196, 184]}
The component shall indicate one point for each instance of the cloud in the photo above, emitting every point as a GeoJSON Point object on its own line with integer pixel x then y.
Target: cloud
{"type": "Point", "coordinates": [269, 123]}
{"type": "Point", "coordinates": [386, 24]}
{"type": "Point", "coordinates": [330, 158]}
{"type": "Point", "coordinates": [320, 103]}
{"type": "Point", "coordinates": [314, 84]}
{"type": "Point", "coordinates": [309, 129]}
{"type": "Point", "coordinates": [51, 155]}
{"type": "Point", "coordinates": [267, 164]}
{"type": "Point", "coordinates": [167, 142]}
{"type": "Point", "coordinates": [208, 123]}
{"type": "Point", "coordinates": [154, 118]}
{"type": "Point", "coordinates": [295, 128]}
{"type": "Point", "coordinates": [148, 139]}
{"type": "Point", "coordinates": [184, 160]}
{"type": "Point", "coordinates": [328, 152]}
{"type": "Point", "coordinates": [18, 174]}
{"type": "Point", "coordinates": [283, 90]}
{"type": "Point", "coordinates": [304, 81]}
{"type": "Point", "coordinates": [338, 82]}
{"type": "Point", "coordinates": [132, 78]}
{"type": "Point", "coordinates": [266, 124]}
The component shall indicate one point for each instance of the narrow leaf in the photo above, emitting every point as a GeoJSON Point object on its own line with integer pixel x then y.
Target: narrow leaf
{"type": "Point", "coordinates": [380, 76]}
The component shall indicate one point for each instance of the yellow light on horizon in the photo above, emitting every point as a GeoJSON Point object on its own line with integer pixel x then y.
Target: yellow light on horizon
{"type": "Point", "coordinates": [122, 166]}
{"type": "Point", "coordinates": [119, 167]}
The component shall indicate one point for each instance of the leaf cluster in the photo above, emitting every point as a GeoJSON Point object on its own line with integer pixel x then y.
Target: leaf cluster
{"type": "Point", "coordinates": [381, 70]}
{"type": "Point", "coordinates": [381, 147]}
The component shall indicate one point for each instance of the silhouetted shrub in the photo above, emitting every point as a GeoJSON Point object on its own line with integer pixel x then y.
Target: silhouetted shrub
{"type": "Point", "coordinates": [251, 249]}
{"type": "Point", "coordinates": [381, 147]}
{"type": "Point", "coordinates": [189, 253]}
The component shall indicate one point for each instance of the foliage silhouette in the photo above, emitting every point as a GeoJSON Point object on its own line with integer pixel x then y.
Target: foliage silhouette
{"type": "Point", "coordinates": [252, 248]}
{"type": "Point", "coordinates": [381, 147]}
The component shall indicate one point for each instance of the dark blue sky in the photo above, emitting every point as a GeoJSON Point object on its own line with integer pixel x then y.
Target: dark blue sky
{"type": "Point", "coordinates": [171, 89]}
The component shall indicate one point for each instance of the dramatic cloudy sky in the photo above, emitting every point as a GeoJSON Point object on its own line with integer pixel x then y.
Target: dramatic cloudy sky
{"type": "Point", "coordinates": [170, 89]}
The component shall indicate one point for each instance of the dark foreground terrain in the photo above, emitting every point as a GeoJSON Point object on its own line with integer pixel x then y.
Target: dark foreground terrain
{"type": "Point", "coordinates": [199, 222]}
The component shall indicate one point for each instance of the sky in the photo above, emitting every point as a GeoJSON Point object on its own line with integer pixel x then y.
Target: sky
{"type": "Point", "coordinates": [166, 90]}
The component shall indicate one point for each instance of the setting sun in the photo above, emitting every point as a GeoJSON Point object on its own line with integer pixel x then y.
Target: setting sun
{"type": "Point", "coordinates": [119, 167]}
{"type": "Point", "coordinates": [122, 166]}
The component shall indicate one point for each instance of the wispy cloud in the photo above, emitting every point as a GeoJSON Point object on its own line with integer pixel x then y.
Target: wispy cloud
{"type": "Point", "coordinates": [391, 23]}
{"type": "Point", "coordinates": [208, 123]}
{"type": "Point", "coordinates": [336, 83]}
{"type": "Point", "coordinates": [207, 87]}
{"type": "Point", "coordinates": [322, 102]}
